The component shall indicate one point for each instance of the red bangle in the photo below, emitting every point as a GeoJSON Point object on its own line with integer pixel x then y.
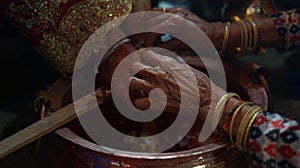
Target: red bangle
{"type": "Point", "coordinates": [228, 118]}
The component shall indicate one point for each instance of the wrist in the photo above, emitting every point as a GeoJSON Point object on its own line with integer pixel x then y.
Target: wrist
{"type": "Point", "coordinates": [234, 40]}
{"type": "Point", "coordinates": [238, 117]}
{"type": "Point", "coordinates": [268, 35]}
{"type": "Point", "coordinates": [217, 35]}
{"type": "Point", "coordinates": [231, 103]}
{"type": "Point", "coordinates": [234, 37]}
{"type": "Point", "coordinates": [112, 59]}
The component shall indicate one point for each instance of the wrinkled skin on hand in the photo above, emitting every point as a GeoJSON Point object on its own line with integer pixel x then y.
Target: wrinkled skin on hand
{"type": "Point", "coordinates": [160, 72]}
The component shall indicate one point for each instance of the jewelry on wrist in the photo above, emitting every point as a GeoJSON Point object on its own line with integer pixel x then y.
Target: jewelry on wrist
{"type": "Point", "coordinates": [255, 36]}
{"type": "Point", "coordinates": [233, 120]}
{"type": "Point", "coordinates": [249, 125]}
{"type": "Point", "coordinates": [249, 38]}
{"type": "Point", "coordinates": [226, 39]}
{"type": "Point", "coordinates": [220, 106]}
{"type": "Point", "coordinates": [228, 117]}
{"type": "Point", "coordinates": [243, 125]}
{"type": "Point", "coordinates": [240, 140]}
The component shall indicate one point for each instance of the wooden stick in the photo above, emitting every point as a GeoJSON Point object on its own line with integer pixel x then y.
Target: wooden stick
{"type": "Point", "coordinates": [47, 125]}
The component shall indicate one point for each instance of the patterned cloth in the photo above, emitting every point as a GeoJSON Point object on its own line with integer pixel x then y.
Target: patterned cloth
{"type": "Point", "coordinates": [58, 28]}
{"type": "Point", "coordinates": [275, 141]}
{"type": "Point", "coordinates": [288, 27]}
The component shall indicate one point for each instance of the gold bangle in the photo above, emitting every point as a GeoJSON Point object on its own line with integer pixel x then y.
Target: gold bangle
{"type": "Point", "coordinates": [246, 38]}
{"type": "Point", "coordinates": [238, 50]}
{"type": "Point", "coordinates": [233, 118]}
{"type": "Point", "coordinates": [239, 135]}
{"type": "Point", "coordinates": [226, 39]}
{"type": "Point", "coordinates": [220, 106]}
{"type": "Point", "coordinates": [249, 38]}
{"type": "Point", "coordinates": [249, 47]}
{"type": "Point", "coordinates": [246, 136]}
{"type": "Point", "coordinates": [243, 125]}
{"type": "Point", "coordinates": [255, 36]}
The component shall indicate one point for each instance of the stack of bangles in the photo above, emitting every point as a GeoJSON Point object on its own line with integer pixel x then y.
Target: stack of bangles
{"type": "Point", "coordinates": [241, 139]}
{"type": "Point", "coordinates": [249, 39]}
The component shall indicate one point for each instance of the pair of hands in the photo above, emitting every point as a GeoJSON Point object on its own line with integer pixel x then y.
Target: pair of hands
{"type": "Point", "coordinates": [175, 79]}
{"type": "Point", "coordinates": [214, 31]}
{"type": "Point", "coordinates": [160, 71]}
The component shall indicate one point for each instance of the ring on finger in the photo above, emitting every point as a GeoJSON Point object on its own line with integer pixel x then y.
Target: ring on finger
{"type": "Point", "coordinates": [164, 9]}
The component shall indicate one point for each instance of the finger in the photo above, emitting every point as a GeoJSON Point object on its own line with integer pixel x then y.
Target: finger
{"type": "Point", "coordinates": [186, 79]}
{"type": "Point", "coordinates": [173, 45]}
{"type": "Point", "coordinates": [177, 70]}
{"type": "Point", "coordinates": [164, 9]}
{"type": "Point", "coordinates": [140, 94]}
{"type": "Point", "coordinates": [176, 11]}
{"type": "Point", "coordinates": [166, 22]}
{"type": "Point", "coordinates": [152, 39]}
{"type": "Point", "coordinates": [153, 75]}
{"type": "Point", "coordinates": [144, 72]}
{"type": "Point", "coordinates": [153, 59]}
{"type": "Point", "coordinates": [137, 85]}
{"type": "Point", "coordinates": [145, 40]}
{"type": "Point", "coordinates": [179, 11]}
{"type": "Point", "coordinates": [138, 66]}
{"type": "Point", "coordinates": [142, 104]}
{"type": "Point", "coordinates": [144, 5]}
{"type": "Point", "coordinates": [172, 106]}
{"type": "Point", "coordinates": [161, 19]}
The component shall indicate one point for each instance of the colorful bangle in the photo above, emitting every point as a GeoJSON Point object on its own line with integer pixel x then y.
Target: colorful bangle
{"type": "Point", "coordinates": [220, 107]}
{"type": "Point", "coordinates": [228, 117]}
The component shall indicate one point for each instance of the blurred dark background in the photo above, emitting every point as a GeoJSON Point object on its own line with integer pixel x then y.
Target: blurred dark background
{"type": "Point", "coordinates": [23, 72]}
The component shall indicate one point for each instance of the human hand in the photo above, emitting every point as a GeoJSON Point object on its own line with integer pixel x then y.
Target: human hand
{"type": "Point", "coordinates": [169, 75]}
{"type": "Point", "coordinates": [214, 31]}
{"type": "Point", "coordinates": [142, 5]}
{"type": "Point", "coordinates": [109, 64]}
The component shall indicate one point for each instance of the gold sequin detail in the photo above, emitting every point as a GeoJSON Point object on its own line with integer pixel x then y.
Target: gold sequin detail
{"type": "Point", "coordinates": [64, 32]}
